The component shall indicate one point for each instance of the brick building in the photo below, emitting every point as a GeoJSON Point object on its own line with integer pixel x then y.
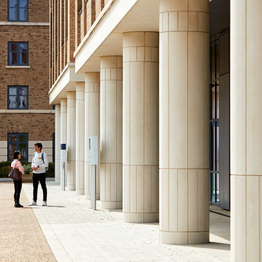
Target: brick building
{"type": "Point", "coordinates": [171, 88]}
{"type": "Point", "coordinates": [25, 113]}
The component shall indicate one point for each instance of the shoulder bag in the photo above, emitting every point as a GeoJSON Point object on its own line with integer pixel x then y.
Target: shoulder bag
{"type": "Point", "coordinates": [14, 174]}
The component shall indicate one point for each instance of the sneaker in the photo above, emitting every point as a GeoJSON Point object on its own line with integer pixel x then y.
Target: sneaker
{"type": "Point", "coordinates": [33, 204]}
{"type": "Point", "coordinates": [44, 203]}
{"type": "Point", "coordinates": [18, 205]}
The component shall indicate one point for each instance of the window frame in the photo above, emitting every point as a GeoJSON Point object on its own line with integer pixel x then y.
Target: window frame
{"type": "Point", "coordinates": [18, 9]}
{"type": "Point", "coordinates": [17, 97]}
{"type": "Point", "coordinates": [17, 51]}
{"type": "Point", "coordinates": [17, 145]}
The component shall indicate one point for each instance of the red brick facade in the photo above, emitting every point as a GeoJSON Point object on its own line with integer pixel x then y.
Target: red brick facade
{"type": "Point", "coordinates": [35, 76]}
{"type": "Point", "coordinates": [70, 22]}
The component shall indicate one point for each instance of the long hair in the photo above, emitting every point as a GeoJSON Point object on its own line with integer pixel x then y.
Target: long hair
{"type": "Point", "coordinates": [16, 153]}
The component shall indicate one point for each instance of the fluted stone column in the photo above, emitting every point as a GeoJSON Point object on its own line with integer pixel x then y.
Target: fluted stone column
{"type": "Point", "coordinates": [184, 112]}
{"type": "Point", "coordinates": [80, 138]}
{"type": "Point", "coordinates": [141, 127]}
{"type": "Point", "coordinates": [57, 142]}
{"type": "Point", "coordinates": [245, 127]}
{"type": "Point", "coordinates": [92, 126]}
{"type": "Point", "coordinates": [71, 140]}
{"type": "Point", "coordinates": [111, 81]}
{"type": "Point", "coordinates": [63, 133]}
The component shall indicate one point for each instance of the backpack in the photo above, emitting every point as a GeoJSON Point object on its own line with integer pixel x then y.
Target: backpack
{"type": "Point", "coordinates": [46, 168]}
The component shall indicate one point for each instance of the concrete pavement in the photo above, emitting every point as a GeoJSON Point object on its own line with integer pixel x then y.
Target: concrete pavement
{"type": "Point", "coordinates": [75, 232]}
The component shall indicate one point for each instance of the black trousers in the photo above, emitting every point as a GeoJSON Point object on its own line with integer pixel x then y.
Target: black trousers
{"type": "Point", "coordinates": [18, 187]}
{"type": "Point", "coordinates": [36, 179]}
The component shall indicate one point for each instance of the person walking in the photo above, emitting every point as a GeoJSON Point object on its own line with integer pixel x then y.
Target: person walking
{"type": "Point", "coordinates": [39, 165]}
{"type": "Point", "coordinates": [17, 184]}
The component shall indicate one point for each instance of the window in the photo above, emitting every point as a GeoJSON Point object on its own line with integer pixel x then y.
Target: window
{"type": "Point", "coordinates": [214, 124]}
{"type": "Point", "coordinates": [18, 53]}
{"type": "Point", "coordinates": [18, 142]}
{"type": "Point", "coordinates": [17, 97]}
{"type": "Point", "coordinates": [18, 10]}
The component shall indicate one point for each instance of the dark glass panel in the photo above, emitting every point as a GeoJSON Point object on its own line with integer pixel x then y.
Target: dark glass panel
{"type": "Point", "coordinates": [12, 102]}
{"type": "Point", "coordinates": [22, 138]}
{"type": "Point", "coordinates": [12, 138]}
{"type": "Point", "coordinates": [12, 3]}
{"type": "Point", "coordinates": [23, 102]}
{"type": "Point", "coordinates": [13, 58]}
{"type": "Point", "coordinates": [13, 14]}
{"type": "Point", "coordinates": [13, 47]}
{"type": "Point", "coordinates": [12, 91]}
{"type": "Point", "coordinates": [22, 14]}
{"type": "Point", "coordinates": [23, 3]}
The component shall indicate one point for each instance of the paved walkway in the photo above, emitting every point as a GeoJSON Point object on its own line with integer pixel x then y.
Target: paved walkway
{"type": "Point", "coordinates": [76, 233]}
{"type": "Point", "coordinates": [21, 237]}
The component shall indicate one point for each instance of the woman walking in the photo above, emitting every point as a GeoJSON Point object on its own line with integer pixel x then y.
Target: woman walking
{"type": "Point", "coordinates": [17, 184]}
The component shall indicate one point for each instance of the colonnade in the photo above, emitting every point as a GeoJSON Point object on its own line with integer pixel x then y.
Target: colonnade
{"type": "Point", "coordinates": [149, 109]}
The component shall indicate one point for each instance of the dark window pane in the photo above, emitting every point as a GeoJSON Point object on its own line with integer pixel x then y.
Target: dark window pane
{"type": "Point", "coordinates": [13, 47]}
{"type": "Point", "coordinates": [18, 98]}
{"type": "Point", "coordinates": [23, 59]}
{"type": "Point", "coordinates": [12, 3]}
{"type": "Point", "coordinates": [12, 102]}
{"type": "Point", "coordinates": [17, 142]}
{"type": "Point", "coordinates": [22, 150]}
{"type": "Point", "coordinates": [23, 102]}
{"type": "Point", "coordinates": [23, 3]}
{"type": "Point", "coordinates": [13, 60]}
{"type": "Point", "coordinates": [23, 91]}
{"type": "Point", "coordinates": [13, 14]}
{"type": "Point", "coordinates": [23, 14]}
{"type": "Point", "coordinates": [12, 91]}
{"type": "Point", "coordinates": [22, 138]}
{"type": "Point", "coordinates": [12, 138]}
{"type": "Point", "coordinates": [23, 47]}
{"type": "Point", "coordinates": [12, 149]}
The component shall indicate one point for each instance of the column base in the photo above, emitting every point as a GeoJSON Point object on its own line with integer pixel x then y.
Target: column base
{"type": "Point", "coordinates": [80, 191]}
{"type": "Point", "coordinates": [183, 238]}
{"type": "Point", "coordinates": [111, 205]}
{"type": "Point", "coordinates": [88, 196]}
{"type": "Point", "coordinates": [71, 188]}
{"type": "Point", "coordinates": [141, 217]}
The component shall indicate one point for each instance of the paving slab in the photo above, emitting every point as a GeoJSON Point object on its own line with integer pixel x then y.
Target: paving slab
{"type": "Point", "coordinates": [77, 233]}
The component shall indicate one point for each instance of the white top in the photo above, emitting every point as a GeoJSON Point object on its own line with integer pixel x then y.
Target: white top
{"type": "Point", "coordinates": [38, 161]}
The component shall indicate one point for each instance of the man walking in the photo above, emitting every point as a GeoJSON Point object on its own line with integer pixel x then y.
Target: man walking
{"type": "Point", "coordinates": [39, 166]}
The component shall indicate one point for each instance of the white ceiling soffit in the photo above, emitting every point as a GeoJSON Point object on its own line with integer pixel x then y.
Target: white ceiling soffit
{"type": "Point", "coordinates": [142, 15]}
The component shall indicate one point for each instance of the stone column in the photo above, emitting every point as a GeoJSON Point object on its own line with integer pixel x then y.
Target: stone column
{"type": "Point", "coordinates": [57, 143]}
{"type": "Point", "coordinates": [184, 116]}
{"type": "Point", "coordinates": [141, 127]}
{"type": "Point", "coordinates": [245, 127]}
{"type": "Point", "coordinates": [80, 138]}
{"type": "Point", "coordinates": [92, 126]}
{"type": "Point", "coordinates": [63, 133]}
{"type": "Point", "coordinates": [71, 140]}
{"type": "Point", "coordinates": [111, 82]}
